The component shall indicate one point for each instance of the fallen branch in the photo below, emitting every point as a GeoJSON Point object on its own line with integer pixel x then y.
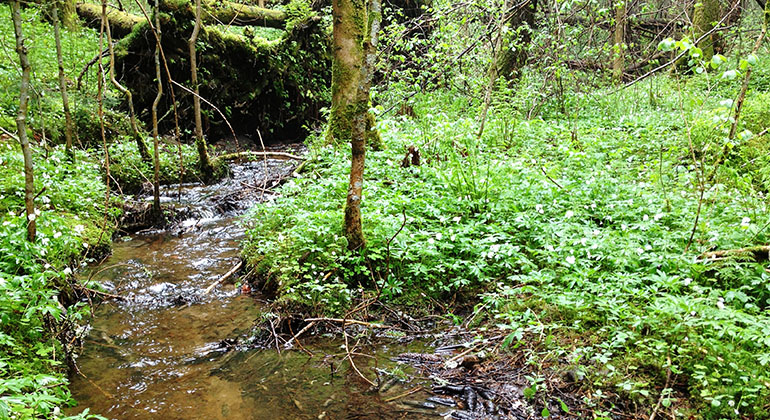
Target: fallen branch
{"type": "Point", "coordinates": [351, 321]}
{"type": "Point", "coordinates": [223, 278]}
{"type": "Point", "coordinates": [410, 392]}
{"type": "Point", "coordinates": [228, 12]}
{"type": "Point", "coordinates": [100, 293]}
{"type": "Point", "coordinates": [758, 253]}
{"type": "Point", "coordinates": [9, 134]}
{"type": "Point", "coordinates": [268, 155]}
{"type": "Point", "coordinates": [296, 336]}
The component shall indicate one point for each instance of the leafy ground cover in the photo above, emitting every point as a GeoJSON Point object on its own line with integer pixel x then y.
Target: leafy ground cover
{"type": "Point", "coordinates": [73, 224]}
{"type": "Point", "coordinates": [570, 232]}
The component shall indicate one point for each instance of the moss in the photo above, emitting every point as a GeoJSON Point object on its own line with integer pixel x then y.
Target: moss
{"type": "Point", "coordinates": [705, 15]}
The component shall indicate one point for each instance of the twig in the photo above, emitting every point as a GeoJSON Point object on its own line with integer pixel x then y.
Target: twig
{"type": "Point", "coordinates": [350, 359]}
{"type": "Point", "coordinates": [9, 134]}
{"type": "Point", "coordinates": [542, 169]}
{"type": "Point", "coordinates": [296, 336]}
{"type": "Point", "coordinates": [351, 321]}
{"type": "Point", "coordinates": [662, 393]}
{"type": "Point", "coordinates": [387, 259]}
{"type": "Point", "coordinates": [100, 293]}
{"type": "Point", "coordinates": [708, 33]}
{"type": "Point", "coordinates": [223, 278]}
{"type": "Point", "coordinates": [410, 392]}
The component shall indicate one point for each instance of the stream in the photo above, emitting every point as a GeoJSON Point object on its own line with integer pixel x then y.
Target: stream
{"type": "Point", "coordinates": [169, 351]}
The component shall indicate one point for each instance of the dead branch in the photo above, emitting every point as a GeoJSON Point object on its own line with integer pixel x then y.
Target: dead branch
{"type": "Point", "coordinates": [351, 321]}
{"type": "Point", "coordinates": [223, 278]}
{"type": "Point", "coordinates": [268, 155]}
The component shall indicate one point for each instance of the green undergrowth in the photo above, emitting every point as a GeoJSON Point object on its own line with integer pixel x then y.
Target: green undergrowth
{"type": "Point", "coordinates": [570, 231]}
{"type": "Point", "coordinates": [71, 227]}
{"type": "Point", "coordinates": [131, 173]}
{"type": "Point", "coordinates": [46, 115]}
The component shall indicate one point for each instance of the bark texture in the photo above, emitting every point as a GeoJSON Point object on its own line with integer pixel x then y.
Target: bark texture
{"type": "Point", "coordinates": [705, 15]}
{"type": "Point", "coordinates": [355, 30]}
{"type": "Point", "coordinates": [515, 46]}
{"type": "Point", "coordinates": [618, 62]}
{"type": "Point", "coordinates": [21, 122]}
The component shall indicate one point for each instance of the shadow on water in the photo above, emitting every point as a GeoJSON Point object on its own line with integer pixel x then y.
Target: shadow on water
{"type": "Point", "coordinates": [170, 352]}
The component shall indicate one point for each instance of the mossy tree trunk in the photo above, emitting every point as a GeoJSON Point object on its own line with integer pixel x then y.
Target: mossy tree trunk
{"type": "Point", "coordinates": [514, 54]}
{"type": "Point", "coordinates": [352, 22]}
{"type": "Point", "coordinates": [356, 25]}
{"type": "Point", "coordinates": [68, 123]}
{"type": "Point", "coordinates": [200, 141]}
{"type": "Point", "coordinates": [68, 14]}
{"type": "Point", "coordinates": [705, 15]}
{"type": "Point", "coordinates": [21, 122]}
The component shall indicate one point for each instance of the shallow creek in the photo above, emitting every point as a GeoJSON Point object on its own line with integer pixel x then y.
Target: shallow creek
{"type": "Point", "coordinates": [169, 351]}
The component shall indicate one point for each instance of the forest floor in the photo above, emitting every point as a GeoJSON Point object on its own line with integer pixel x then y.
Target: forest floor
{"type": "Point", "coordinates": [577, 238]}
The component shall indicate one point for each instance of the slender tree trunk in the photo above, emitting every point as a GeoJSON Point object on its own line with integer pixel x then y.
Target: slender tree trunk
{"type": "Point", "coordinates": [618, 62]}
{"type": "Point", "coordinates": [355, 33]}
{"type": "Point", "coordinates": [143, 152]}
{"type": "Point", "coordinates": [68, 124]}
{"type": "Point", "coordinates": [21, 122]}
{"type": "Point", "coordinates": [492, 72]}
{"type": "Point", "coordinates": [156, 144]}
{"type": "Point", "coordinates": [200, 141]}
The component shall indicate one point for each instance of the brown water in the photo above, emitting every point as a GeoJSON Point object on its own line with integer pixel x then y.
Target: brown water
{"type": "Point", "coordinates": [171, 352]}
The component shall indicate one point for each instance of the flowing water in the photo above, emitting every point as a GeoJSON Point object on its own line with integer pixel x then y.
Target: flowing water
{"type": "Point", "coordinates": [169, 351]}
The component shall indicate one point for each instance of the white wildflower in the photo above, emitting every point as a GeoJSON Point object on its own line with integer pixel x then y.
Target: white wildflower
{"type": "Point", "coordinates": [431, 241]}
{"type": "Point", "coordinates": [570, 259]}
{"type": "Point", "coordinates": [721, 303]}
{"type": "Point", "coordinates": [79, 229]}
{"type": "Point", "coordinates": [439, 236]}
{"type": "Point", "coordinates": [687, 281]}
{"type": "Point", "coordinates": [452, 238]}
{"type": "Point", "coordinates": [646, 218]}
{"type": "Point", "coordinates": [539, 208]}
{"type": "Point", "coordinates": [68, 271]}
{"type": "Point", "coordinates": [745, 222]}
{"type": "Point", "coordinates": [31, 217]}
{"type": "Point", "coordinates": [456, 219]}
{"type": "Point", "coordinates": [57, 235]}
{"type": "Point", "coordinates": [658, 216]}
{"type": "Point", "coordinates": [569, 214]}
{"type": "Point", "coordinates": [495, 248]}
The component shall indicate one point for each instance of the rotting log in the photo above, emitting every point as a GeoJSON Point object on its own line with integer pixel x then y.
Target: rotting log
{"type": "Point", "coordinates": [227, 12]}
{"type": "Point", "coordinates": [121, 23]}
{"type": "Point", "coordinates": [757, 253]}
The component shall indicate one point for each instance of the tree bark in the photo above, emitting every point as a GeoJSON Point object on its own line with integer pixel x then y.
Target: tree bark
{"type": "Point", "coordinates": [156, 210]}
{"type": "Point", "coordinates": [21, 122]}
{"type": "Point", "coordinates": [355, 31]}
{"type": "Point", "coordinates": [200, 141]}
{"type": "Point", "coordinates": [227, 12]}
{"type": "Point", "coordinates": [68, 14]}
{"type": "Point", "coordinates": [705, 15]}
{"type": "Point", "coordinates": [618, 62]}
{"type": "Point", "coordinates": [140, 145]}
{"type": "Point", "coordinates": [68, 124]}
{"type": "Point", "coordinates": [514, 54]}
{"type": "Point", "coordinates": [121, 23]}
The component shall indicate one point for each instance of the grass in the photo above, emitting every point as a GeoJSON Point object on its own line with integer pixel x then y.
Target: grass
{"type": "Point", "coordinates": [558, 227]}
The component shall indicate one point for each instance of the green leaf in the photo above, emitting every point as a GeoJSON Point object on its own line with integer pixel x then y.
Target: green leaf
{"type": "Point", "coordinates": [545, 412]}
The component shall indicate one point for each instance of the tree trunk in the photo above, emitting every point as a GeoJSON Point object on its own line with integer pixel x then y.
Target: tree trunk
{"type": "Point", "coordinates": [68, 124]}
{"type": "Point", "coordinates": [350, 33]}
{"type": "Point", "coordinates": [705, 15]}
{"type": "Point", "coordinates": [140, 145]}
{"type": "Point", "coordinates": [514, 54]}
{"type": "Point", "coordinates": [618, 62]}
{"type": "Point", "coordinates": [200, 141]}
{"type": "Point", "coordinates": [68, 15]}
{"type": "Point", "coordinates": [156, 154]}
{"type": "Point", "coordinates": [21, 122]}
{"type": "Point", "coordinates": [355, 31]}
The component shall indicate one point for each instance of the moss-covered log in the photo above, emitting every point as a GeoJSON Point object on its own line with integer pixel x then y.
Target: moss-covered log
{"type": "Point", "coordinates": [227, 12]}
{"type": "Point", "coordinates": [258, 84]}
{"type": "Point", "coordinates": [121, 23]}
